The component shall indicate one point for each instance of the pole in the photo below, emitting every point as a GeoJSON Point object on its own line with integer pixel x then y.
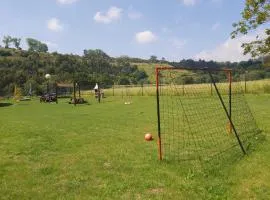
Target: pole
{"type": "Point", "coordinates": [142, 88]}
{"type": "Point", "coordinates": [56, 92]}
{"type": "Point", "coordinates": [183, 88]}
{"type": "Point", "coordinates": [245, 77]}
{"type": "Point", "coordinates": [228, 116]}
{"type": "Point", "coordinates": [74, 93]}
{"type": "Point", "coordinates": [48, 87]}
{"type": "Point", "coordinates": [230, 100]}
{"type": "Point", "coordinates": [113, 89]}
{"type": "Point", "coordinates": [158, 115]}
{"type": "Point", "coordinates": [99, 94]}
{"type": "Point", "coordinates": [79, 88]}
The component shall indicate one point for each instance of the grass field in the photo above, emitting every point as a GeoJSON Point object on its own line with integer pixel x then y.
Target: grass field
{"type": "Point", "coordinates": [252, 87]}
{"type": "Point", "coordinates": [97, 151]}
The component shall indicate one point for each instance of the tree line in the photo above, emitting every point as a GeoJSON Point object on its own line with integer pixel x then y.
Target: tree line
{"type": "Point", "coordinates": [25, 68]}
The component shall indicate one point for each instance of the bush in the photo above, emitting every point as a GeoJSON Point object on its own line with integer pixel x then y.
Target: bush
{"type": "Point", "coordinates": [5, 52]}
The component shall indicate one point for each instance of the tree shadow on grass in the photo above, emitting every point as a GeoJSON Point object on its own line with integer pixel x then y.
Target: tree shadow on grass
{"type": "Point", "coordinates": [5, 104]}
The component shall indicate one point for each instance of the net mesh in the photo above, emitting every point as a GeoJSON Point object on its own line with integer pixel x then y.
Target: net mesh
{"type": "Point", "coordinates": [126, 94]}
{"type": "Point", "coordinates": [193, 123]}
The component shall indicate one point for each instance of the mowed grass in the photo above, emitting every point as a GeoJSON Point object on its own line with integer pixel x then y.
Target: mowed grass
{"type": "Point", "coordinates": [97, 151]}
{"type": "Point", "coordinates": [252, 87]}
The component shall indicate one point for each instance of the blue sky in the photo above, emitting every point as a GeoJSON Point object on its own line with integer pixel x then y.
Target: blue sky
{"type": "Point", "coordinates": [174, 29]}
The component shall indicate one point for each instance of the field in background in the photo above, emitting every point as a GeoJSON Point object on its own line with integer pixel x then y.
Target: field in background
{"type": "Point", "coordinates": [252, 87]}
{"type": "Point", "coordinates": [97, 151]}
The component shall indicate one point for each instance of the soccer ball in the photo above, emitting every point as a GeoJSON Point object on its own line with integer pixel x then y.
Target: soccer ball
{"type": "Point", "coordinates": [148, 137]}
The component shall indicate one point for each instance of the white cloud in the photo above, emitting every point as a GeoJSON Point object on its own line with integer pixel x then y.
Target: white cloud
{"type": "Point", "coordinates": [145, 37]}
{"type": "Point", "coordinates": [111, 15]}
{"type": "Point", "coordinates": [189, 2]}
{"type": "Point", "coordinates": [215, 26]}
{"type": "Point", "coordinates": [54, 25]}
{"type": "Point", "coordinates": [66, 1]}
{"type": "Point", "coordinates": [230, 50]}
{"type": "Point", "coordinates": [178, 43]}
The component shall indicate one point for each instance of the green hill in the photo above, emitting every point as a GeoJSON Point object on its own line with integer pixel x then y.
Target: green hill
{"type": "Point", "coordinates": [149, 68]}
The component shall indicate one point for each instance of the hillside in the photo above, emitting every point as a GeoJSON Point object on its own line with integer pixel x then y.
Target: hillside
{"type": "Point", "coordinates": [149, 68]}
{"type": "Point", "coordinates": [24, 68]}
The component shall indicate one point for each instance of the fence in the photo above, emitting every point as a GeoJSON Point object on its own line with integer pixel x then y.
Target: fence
{"type": "Point", "coordinates": [249, 87]}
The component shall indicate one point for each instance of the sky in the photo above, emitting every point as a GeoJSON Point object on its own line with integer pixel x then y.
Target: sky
{"type": "Point", "coordinates": [173, 29]}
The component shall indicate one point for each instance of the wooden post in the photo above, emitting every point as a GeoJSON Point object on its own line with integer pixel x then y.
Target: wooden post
{"type": "Point", "coordinates": [74, 93]}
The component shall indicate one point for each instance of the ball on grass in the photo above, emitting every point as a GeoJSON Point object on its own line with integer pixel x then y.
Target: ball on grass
{"type": "Point", "coordinates": [148, 137]}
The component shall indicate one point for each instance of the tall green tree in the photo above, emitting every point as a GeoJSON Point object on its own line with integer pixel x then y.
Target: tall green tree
{"type": "Point", "coordinates": [16, 42]}
{"type": "Point", "coordinates": [35, 45]}
{"type": "Point", "coordinates": [255, 14]}
{"type": "Point", "coordinates": [7, 40]}
{"type": "Point", "coordinates": [153, 58]}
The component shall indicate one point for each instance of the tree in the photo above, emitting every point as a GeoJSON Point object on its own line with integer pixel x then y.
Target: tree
{"type": "Point", "coordinates": [163, 60]}
{"type": "Point", "coordinates": [153, 58]}
{"type": "Point", "coordinates": [97, 53]}
{"type": "Point", "coordinates": [255, 14]}
{"type": "Point", "coordinates": [35, 45]}
{"type": "Point", "coordinates": [7, 40]}
{"type": "Point", "coordinates": [16, 42]}
{"type": "Point", "coordinates": [43, 47]}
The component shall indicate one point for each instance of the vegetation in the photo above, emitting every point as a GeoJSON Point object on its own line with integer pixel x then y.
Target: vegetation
{"type": "Point", "coordinates": [37, 46]}
{"type": "Point", "coordinates": [98, 151]}
{"type": "Point", "coordinates": [255, 14]}
{"type": "Point", "coordinates": [250, 87]}
{"type": "Point", "coordinates": [8, 40]}
{"type": "Point", "coordinates": [20, 67]}
{"type": "Point", "coordinates": [24, 67]}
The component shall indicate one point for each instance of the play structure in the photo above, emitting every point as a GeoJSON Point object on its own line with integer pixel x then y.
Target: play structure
{"type": "Point", "coordinates": [63, 90]}
{"type": "Point", "coordinates": [99, 94]}
{"type": "Point", "coordinates": [18, 94]}
{"type": "Point", "coordinates": [75, 97]}
{"type": "Point", "coordinates": [51, 92]}
{"type": "Point", "coordinates": [48, 98]}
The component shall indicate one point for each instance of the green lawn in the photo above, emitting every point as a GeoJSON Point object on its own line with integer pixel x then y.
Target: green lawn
{"type": "Point", "coordinates": [97, 151]}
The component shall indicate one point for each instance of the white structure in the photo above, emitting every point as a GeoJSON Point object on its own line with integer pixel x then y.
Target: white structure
{"type": "Point", "coordinates": [96, 87]}
{"type": "Point", "coordinates": [47, 76]}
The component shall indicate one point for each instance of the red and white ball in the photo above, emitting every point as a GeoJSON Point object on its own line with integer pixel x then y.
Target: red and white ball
{"type": "Point", "coordinates": [148, 137]}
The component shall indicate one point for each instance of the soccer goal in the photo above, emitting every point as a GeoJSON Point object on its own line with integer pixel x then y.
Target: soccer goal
{"type": "Point", "coordinates": [201, 113]}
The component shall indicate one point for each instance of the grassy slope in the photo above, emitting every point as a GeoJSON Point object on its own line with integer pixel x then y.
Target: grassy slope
{"type": "Point", "coordinates": [149, 68]}
{"type": "Point", "coordinates": [97, 151]}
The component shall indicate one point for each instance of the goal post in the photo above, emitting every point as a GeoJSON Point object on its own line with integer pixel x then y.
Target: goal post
{"type": "Point", "coordinates": [201, 113]}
